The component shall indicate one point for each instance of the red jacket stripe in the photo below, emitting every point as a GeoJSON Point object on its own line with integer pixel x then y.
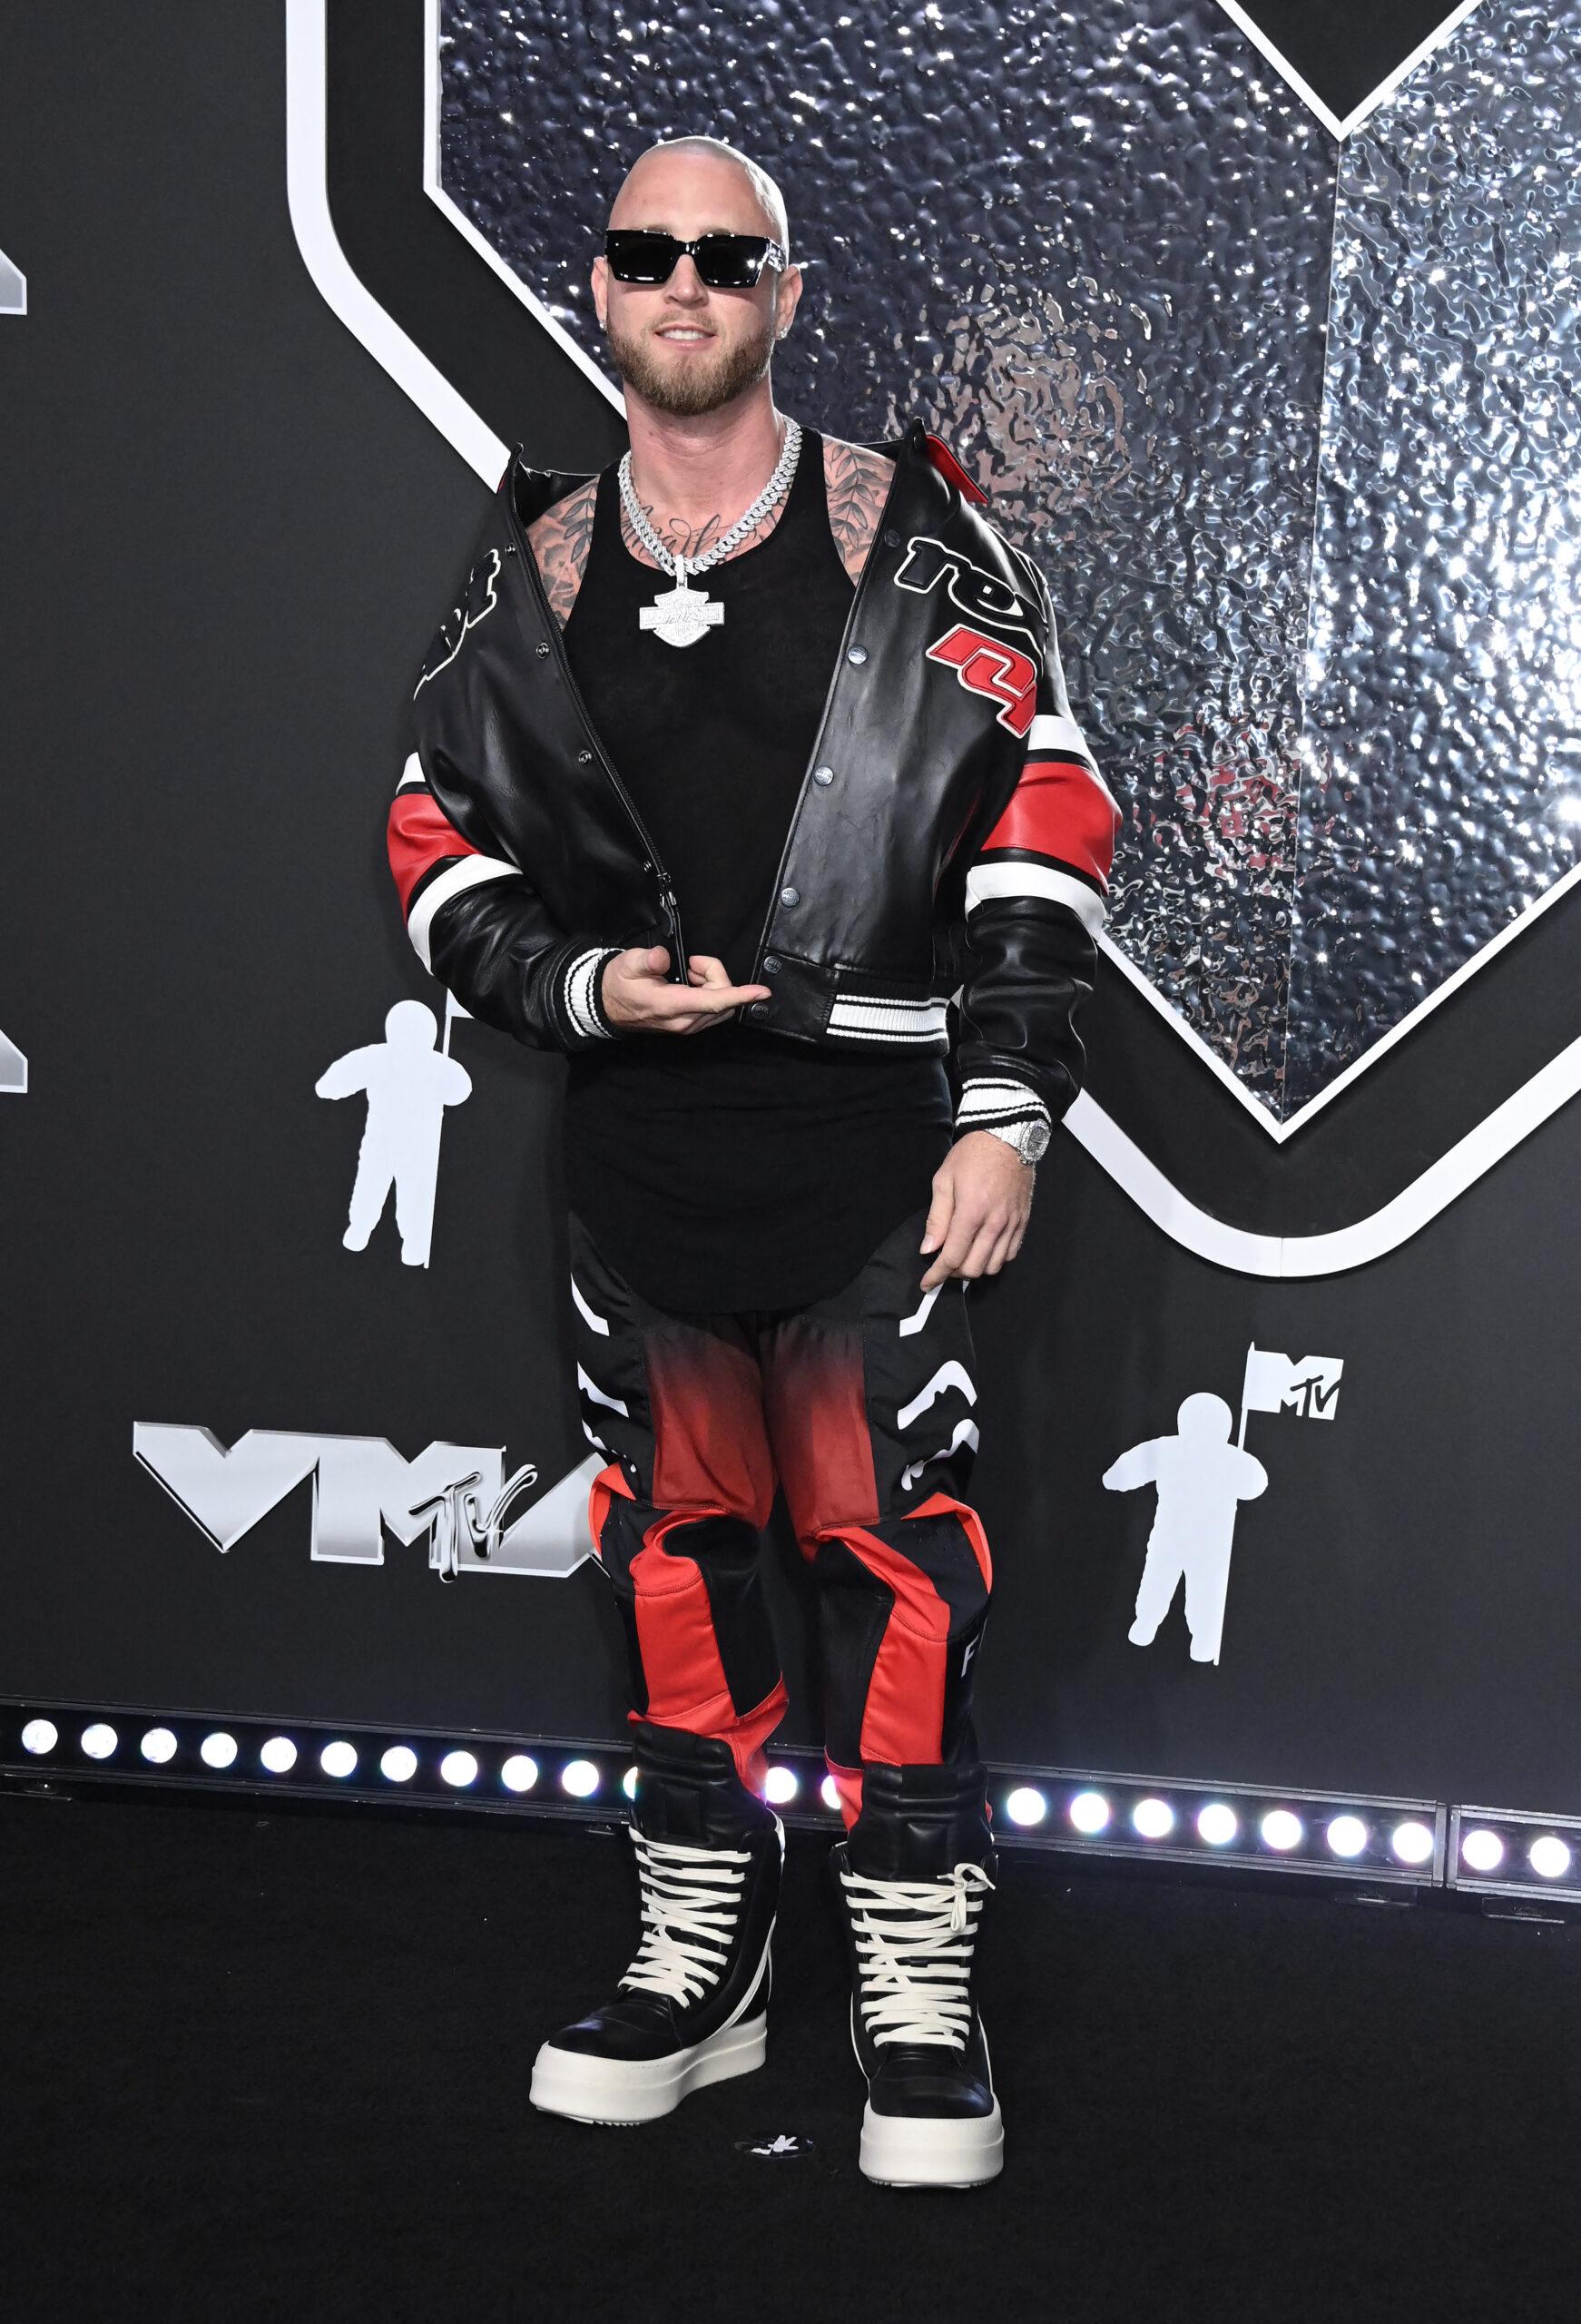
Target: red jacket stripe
{"type": "Point", "coordinates": [1057, 809]}
{"type": "Point", "coordinates": [420, 835]}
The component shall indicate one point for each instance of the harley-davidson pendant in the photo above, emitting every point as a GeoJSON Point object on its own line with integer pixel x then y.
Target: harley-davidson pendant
{"type": "Point", "coordinates": [682, 615]}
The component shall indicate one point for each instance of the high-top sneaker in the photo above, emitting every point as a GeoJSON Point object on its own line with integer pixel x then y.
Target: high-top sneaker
{"type": "Point", "coordinates": [692, 2007]}
{"type": "Point", "coordinates": [913, 1874]}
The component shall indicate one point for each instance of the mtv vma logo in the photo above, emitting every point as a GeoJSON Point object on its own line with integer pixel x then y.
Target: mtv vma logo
{"type": "Point", "coordinates": [457, 1496]}
{"type": "Point", "coordinates": [987, 665]}
{"type": "Point", "coordinates": [1201, 1478]}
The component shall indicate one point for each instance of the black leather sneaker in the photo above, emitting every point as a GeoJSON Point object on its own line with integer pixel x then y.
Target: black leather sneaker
{"type": "Point", "coordinates": [913, 1875]}
{"type": "Point", "coordinates": [692, 2007]}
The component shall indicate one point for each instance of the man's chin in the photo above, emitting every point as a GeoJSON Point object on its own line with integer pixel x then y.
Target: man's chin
{"type": "Point", "coordinates": [689, 386]}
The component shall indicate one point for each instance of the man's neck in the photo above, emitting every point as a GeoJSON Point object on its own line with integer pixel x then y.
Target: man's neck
{"type": "Point", "coordinates": [713, 465]}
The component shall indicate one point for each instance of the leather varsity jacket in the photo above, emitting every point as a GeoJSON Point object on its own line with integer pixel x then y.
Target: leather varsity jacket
{"type": "Point", "coordinates": [949, 849]}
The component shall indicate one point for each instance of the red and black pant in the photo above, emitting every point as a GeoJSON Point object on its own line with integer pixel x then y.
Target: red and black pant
{"type": "Point", "coordinates": [862, 1404]}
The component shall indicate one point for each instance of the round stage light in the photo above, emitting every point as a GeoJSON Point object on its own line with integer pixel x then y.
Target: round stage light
{"type": "Point", "coordinates": [520, 1772]}
{"type": "Point", "coordinates": [1089, 1812]}
{"type": "Point", "coordinates": [828, 1790]}
{"type": "Point", "coordinates": [1218, 1824]}
{"type": "Point", "coordinates": [218, 1750]}
{"type": "Point", "coordinates": [459, 1768]}
{"type": "Point", "coordinates": [1483, 1850]}
{"type": "Point", "coordinates": [1026, 1805]}
{"type": "Point", "coordinates": [338, 1759]}
{"type": "Point", "coordinates": [278, 1754]}
{"type": "Point", "coordinates": [580, 1779]}
{"type": "Point", "coordinates": [1283, 1830]}
{"type": "Point", "coordinates": [628, 1783]}
{"type": "Point", "coordinates": [780, 1786]}
{"type": "Point", "coordinates": [399, 1764]}
{"type": "Point", "coordinates": [1154, 1818]}
{"type": "Point", "coordinates": [39, 1735]}
{"type": "Point", "coordinates": [159, 1747]}
{"type": "Point", "coordinates": [99, 1740]}
{"type": "Point", "coordinates": [1347, 1836]}
{"type": "Point", "coordinates": [1548, 1857]}
{"type": "Point", "coordinates": [1412, 1841]}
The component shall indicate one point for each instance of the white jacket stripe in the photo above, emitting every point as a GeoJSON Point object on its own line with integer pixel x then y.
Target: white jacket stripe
{"type": "Point", "coordinates": [986, 880]}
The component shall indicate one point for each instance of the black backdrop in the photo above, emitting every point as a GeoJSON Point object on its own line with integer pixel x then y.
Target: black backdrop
{"type": "Point", "coordinates": [228, 537]}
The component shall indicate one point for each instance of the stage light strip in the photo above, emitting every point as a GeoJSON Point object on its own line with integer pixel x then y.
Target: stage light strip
{"type": "Point", "coordinates": [1320, 1834]}
{"type": "Point", "coordinates": [1497, 1852]}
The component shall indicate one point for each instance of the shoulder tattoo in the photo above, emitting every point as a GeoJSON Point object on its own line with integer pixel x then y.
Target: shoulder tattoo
{"type": "Point", "coordinates": [858, 484]}
{"type": "Point", "coordinates": [559, 540]}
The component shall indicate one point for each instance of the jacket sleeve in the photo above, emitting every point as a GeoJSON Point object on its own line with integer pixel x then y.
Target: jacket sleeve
{"type": "Point", "coordinates": [478, 926]}
{"type": "Point", "coordinates": [1035, 899]}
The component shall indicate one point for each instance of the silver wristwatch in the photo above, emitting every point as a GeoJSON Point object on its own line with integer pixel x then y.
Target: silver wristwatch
{"type": "Point", "coordinates": [1030, 1140]}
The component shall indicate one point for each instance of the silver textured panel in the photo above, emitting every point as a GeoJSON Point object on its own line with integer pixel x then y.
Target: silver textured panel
{"type": "Point", "coordinates": [1091, 250]}
{"type": "Point", "coordinates": [1443, 786]}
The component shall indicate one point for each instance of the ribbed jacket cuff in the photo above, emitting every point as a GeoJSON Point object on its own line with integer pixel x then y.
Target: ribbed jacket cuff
{"type": "Point", "coordinates": [987, 1101]}
{"type": "Point", "coordinates": [580, 994]}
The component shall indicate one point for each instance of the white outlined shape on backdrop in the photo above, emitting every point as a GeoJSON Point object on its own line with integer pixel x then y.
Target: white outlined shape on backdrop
{"type": "Point", "coordinates": [1274, 1256]}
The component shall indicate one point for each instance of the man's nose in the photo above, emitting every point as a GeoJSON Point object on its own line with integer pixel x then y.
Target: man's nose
{"type": "Point", "coordinates": [686, 282]}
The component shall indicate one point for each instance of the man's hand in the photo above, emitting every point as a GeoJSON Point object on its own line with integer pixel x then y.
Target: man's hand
{"type": "Point", "coordinates": [637, 994]}
{"type": "Point", "coordinates": [982, 1199]}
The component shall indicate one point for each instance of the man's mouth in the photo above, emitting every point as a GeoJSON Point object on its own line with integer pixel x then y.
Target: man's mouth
{"type": "Point", "coordinates": [683, 334]}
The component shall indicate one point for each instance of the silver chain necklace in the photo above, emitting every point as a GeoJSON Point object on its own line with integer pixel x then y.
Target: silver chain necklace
{"type": "Point", "coordinates": [680, 616]}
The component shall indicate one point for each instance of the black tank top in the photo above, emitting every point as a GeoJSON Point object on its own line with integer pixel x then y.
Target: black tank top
{"type": "Point", "coordinates": [732, 1168]}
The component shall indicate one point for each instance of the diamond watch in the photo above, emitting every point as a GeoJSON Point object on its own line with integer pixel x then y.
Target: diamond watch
{"type": "Point", "coordinates": [1030, 1140]}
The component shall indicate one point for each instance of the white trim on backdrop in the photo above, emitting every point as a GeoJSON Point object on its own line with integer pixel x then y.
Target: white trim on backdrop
{"type": "Point", "coordinates": [1274, 1256]}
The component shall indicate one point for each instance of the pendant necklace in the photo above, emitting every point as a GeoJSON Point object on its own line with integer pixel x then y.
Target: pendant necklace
{"type": "Point", "coordinates": [682, 615]}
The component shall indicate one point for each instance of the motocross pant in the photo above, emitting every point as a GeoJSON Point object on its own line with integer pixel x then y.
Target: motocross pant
{"type": "Point", "coordinates": [861, 1403]}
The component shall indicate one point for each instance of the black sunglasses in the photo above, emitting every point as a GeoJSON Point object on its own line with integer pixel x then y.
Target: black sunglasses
{"type": "Point", "coordinates": [724, 261]}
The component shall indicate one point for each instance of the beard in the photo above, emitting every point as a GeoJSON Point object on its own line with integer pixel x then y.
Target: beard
{"type": "Point", "coordinates": [702, 383]}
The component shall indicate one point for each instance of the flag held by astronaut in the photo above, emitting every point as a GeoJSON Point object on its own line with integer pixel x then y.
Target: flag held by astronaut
{"type": "Point", "coordinates": [1309, 1387]}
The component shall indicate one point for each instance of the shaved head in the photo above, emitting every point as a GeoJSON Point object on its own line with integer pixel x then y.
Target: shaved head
{"type": "Point", "coordinates": [765, 193]}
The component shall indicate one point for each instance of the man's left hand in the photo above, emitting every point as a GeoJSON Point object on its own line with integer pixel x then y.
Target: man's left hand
{"type": "Point", "coordinates": [982, 1198]}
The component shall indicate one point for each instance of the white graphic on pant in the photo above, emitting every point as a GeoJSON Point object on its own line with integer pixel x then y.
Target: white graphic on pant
{"type": "Point", "coordinates": [409, 1084]}
{"type": "Point", "coordinates": [1202, 1480]}
{"type": "Point", "coordinates": [12, 287]}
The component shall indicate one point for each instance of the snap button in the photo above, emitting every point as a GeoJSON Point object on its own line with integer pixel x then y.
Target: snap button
{"type": "Point", "coordinates": [758, 1008]}
{"type": "Point", "coordinates": [823, 774]}
{"type": "Point", "coordinates": [892, 538]}
{"type": "Point", "coordinates": [582, 759]}
{"type": "Point", "coordinates": [543, 651]}
{"type": "Point", "coordinates": [771, 962]}
{"type": "Point", "coordinates": [857, 653]}
{"type": "Point", "coordinates": [790, 895]}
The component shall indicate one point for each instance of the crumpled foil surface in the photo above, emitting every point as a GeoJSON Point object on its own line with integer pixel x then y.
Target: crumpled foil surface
{"type": "Point", "coordinates": [1291, 427]}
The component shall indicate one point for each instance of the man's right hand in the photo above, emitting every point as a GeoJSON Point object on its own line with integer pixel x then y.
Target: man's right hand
{"type": "Point", "coordinates": [637, 994]}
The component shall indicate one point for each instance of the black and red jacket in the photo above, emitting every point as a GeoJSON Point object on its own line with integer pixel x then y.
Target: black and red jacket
{"type": "Point", "coordinates": [950, 846]}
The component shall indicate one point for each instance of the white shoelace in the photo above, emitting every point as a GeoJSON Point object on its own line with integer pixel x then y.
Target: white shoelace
{"type": "Point", "coordinates": [914, 1953]}
{"type": "Point", "coordinates": [687, 1891]}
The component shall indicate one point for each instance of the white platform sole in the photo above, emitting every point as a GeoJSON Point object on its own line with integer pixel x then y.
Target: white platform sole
{"type": "Point", "coordinates": [907, 2151]}
{"type": "Point", "coordinates": [620, 2091]}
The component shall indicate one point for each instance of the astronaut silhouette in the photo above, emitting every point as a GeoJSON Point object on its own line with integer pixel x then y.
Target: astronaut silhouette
{"type": "Point", "coordinates": [1202, 1480]}
{"type": "Point", "coordinates": [409, 1084]}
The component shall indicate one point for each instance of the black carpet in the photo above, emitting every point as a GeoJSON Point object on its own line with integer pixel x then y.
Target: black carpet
{"type": "Point", "coordinates": [275, 2066]}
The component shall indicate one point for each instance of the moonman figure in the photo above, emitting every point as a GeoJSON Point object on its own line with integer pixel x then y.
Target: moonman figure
{"type": "Point", "coordinates": [409, 1086]}
{"type": "Point", "coordinates": [1202, 1480]}
{"type": "Point", "coordinates": [750, 759]}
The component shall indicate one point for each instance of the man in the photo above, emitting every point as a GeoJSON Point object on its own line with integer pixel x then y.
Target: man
{"type": "Point", "coordinates": [742, 761]}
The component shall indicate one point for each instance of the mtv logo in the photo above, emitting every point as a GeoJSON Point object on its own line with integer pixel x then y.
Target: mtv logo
{"type": "Point", "coordinates": [454, 1495]}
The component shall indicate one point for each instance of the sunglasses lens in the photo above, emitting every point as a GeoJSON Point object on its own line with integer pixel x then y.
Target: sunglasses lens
{"type": "Point", "coordinates": [637, 257]}
{"type": "Point", "coordinates": [732, 261]}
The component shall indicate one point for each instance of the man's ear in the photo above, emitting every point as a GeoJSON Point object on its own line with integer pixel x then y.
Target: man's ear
{"type": "Point", "coordinates": [600, 278]}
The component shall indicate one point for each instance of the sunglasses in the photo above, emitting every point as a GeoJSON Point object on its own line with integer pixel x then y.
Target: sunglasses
{"type": "Point", "coordinates": [724, 261]}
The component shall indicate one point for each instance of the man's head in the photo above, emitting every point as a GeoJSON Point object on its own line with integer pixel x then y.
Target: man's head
{"type": "Point", "coordinates": [686, 187]}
